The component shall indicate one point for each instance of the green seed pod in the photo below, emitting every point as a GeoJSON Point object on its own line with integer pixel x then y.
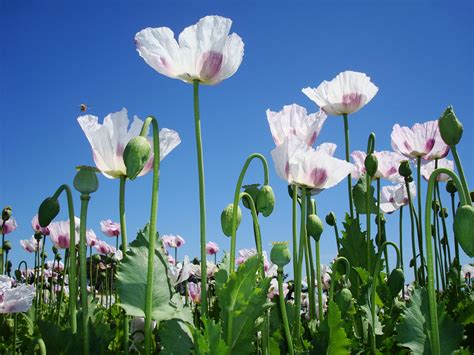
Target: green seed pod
{"type": "Point", "coordinates": [226, 219]}
{"type": "Point", "coordinates": [371, 164]}
{"type": "Point", "coordinates": [396, 280]}
{"type": "Point", "coordinates": [463, 227]}
{"type": "Point", "coordinates": [47, 211]}
{"type": "Point", "coordinates": [331, 219]}
{"type": "Point", "coordinates": [18, 275]}
{"type": "Point", "coordinates": [253, 191]}
{"type": "Point", "coordinates": [96, 258]}
{"type": "Point", "coordinates": [7, 245]}
{"type": "Point", "coordinates": [58, 257]}
{"type": "Point", "coordinates": [86, 181]}
{"type": "Point", "coordinates": [55, 250]}
{"type": "Point", "coordinates": [265, 200]}
{"type": "Point", "coordinates": [451, 187]}
{"type": "Point", "coordinates": [135, 156]}
{"type": "Point", "coordinates": [443, 212]}
{"type": "Point", "coordinates": [38, 236]}
{"type": "Point", "coordinates": [404, 169]}
{"type": "Point", "coordinates": [6, 213]}
{"type": "Point", "coordinates": [44, 255]}
{"type": "Point", "coordinates": [314, 226]}
{"type": "Point", "coordinates": [280, 254]}
{"type": "Point", "coordinates": [344, 299]}
{"type": "Point", "coordinates": [450, 127]}
{"type": "Point", "coordinates": [435, 206]}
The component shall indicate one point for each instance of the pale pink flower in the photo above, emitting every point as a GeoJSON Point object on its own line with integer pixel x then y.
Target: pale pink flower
{"type": "Point", "coordinates": [212, 248]}
{"type": "Point", "coordinates": [108, 141]}
{"type": "Point", "coordinates": [273, 290]}
{"type": "Point", "coordinates": [171, 260]}
{"type": "Point", "coordinates": [9, 226]}
{"type": "Point", "coordinates": [109, 228]}
{"type": "Point", "coordinates": [387, 167]}
{"type": "Point", "coordinates": [59, 233]}
{"type": "Point", "coordinates": [194, 291]}
{"type": "Point", "coordinates": [301, 165]}
{"type": "Point", "coordinates": [347, 93]}
{"type": "Point", "coordinates": [179, 272]}
{"type": "Point", "coordinates": [417, 141]}
{"type": "Point", "coordinates": [195, 269]}
{"type": "Point", "coordinates": [173, 241]}
{"type": "Point", "coordinates": [393, 197]}
{"type": "Point", "coordinates": [91, 238]}
{"type": "Point", "coordinates": [104, 248]}
{"type": "Point", "coordinates": [244, 254]}
{"type": "Point", "coordinates": [427, 168]}
{"type": "Point", "coordinates": [294, 120]}
{"type": "Point", "coordinates": [205, 51]}
{"type": "Point", "coordinates": [17, 299]}
{"type": "Point", "coordinates": [36, 226]}
{"type": "Point", "coordinates": [30, 245]}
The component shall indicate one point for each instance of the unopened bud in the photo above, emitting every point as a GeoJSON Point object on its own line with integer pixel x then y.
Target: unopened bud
{"type": "Point", "coordinates": [6, 213]}
{"type": "Point", "coordinates": [47, 211]}
{"type": "Point", "coordinates": [371, 164]}
{"type": "Point", "coordinates": [226, 219]}
{"type": "Point", "coordinates": [331, 219]}
{"type": "Point", "coordinates": [450, 127]}
{"type": "Point", "coordinates": [265, 200]}
{"type": "Point", "coordinates": [451, 187]}
{"type": "Point", "coordinates": [314, 226]}
{"type": "Point", "coordinates": [136, 155]}
{"type": "Point", "coordinates": [252, 190]}
{"type": "Point", "coordinates": [7, 245]}
{"type": "Point", "coordinates": [404, 169]}
{"type": "Point", "coordinates": [463, 227]}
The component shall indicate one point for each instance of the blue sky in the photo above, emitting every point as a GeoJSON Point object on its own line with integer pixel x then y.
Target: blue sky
{"type": "Point", "coordinates": [57, 56]}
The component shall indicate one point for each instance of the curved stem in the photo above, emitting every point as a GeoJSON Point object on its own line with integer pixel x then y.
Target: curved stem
{"type": "Point", "coordinates": [465, 188]}
{"type": "Point", "coordinates": [284, 316]}
{"type": "Point", "coordinates": [435, 343]}
{"type": "Point", "coordinates": [38, 342]}
{"type": "Point", "coordinates": [336, 233]}
{"type": "Point", "coordinates": [349, 177]}
{"type": "Point", "coordinates": [456, 244]}
{"type": "Point", "coordinates": [420, 225]}
{"type": "Point", "coordinates": [123, 225]}
{"type": "Point", "coordinates": [152, 237]}
{"type": "Point", "coordinates": [83, 273]}
{"type": "Point", "coordinates": [412, 223]}
{"type": "Point", "coordinates": [438, 264]}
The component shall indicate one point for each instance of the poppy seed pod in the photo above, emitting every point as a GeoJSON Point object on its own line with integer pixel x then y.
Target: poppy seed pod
{"type": "Point", "coordinates": [47, 211]}
{"type": "Point", "coordinates": [54, 249]}
{"type": "Point", "coordinates": [404, 169]}
{"type": "Point", "coordinates": [135, 156]}
{"type": "Point", "coordinates": [443, 212]}
{"type": "Point", "coordinates": [331, 219]}
{"type": "Point", "coordinates": [265, 200]}
{"type": "Point", "coordinates": [463, 227]}
{"type": "Point", "coordinates": [7, 245]}
{"type": "Point", "coordinates": [396, 280]}
{"type": "Point", "coordinates": [280, 254]}
{"type": "Point", "coordinates": [450, 127]}
{"type": "Point", "coordinates": [344, 299]}
{"type": "Point", "coordinates": [226, 219]}
{"type": "Point", "coordinates": [6, 213]}
{"type": "Point", "coordinates": [435, 206]}
{"type": "Point", "coordinates": [86, 181]}
{"type": "Point", "coordinates": [314, 226]}
{"type": "Point", "coordinates": [252, 190]}
{"type": "Point", "coordinates": [451, 187]}
{"type": "Point", "coordinates": [371, 164]}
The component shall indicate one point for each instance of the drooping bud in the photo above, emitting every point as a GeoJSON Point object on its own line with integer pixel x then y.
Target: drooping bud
{"type": "Point", "coordinates": [7, 246]}
{"type": "Point", "coordinates": [451, 187]}
{"type": "Point", "coordinates": [404, 169]}
{"type": "Point", "coordinates": [252, 190]}
{"type": "Point", "coordinates": [450, 127]}
{"type": "Point", "coordinates": [463, 227]}
{"type": "Point", "coordinates": [344, 299]}
{"type": "Point", "coordinates": [55, 250]}
{"type": "Point", "coordinates": [47, 211]}
{"type": "Point", "coordinates": [226, 219]}
{"type": "Point", "coordinates": [86, 181]}
{"type": "Point", "coordinates": [265, 200]}
{"type": "Point", "coordinates": [314, 226]}
{"type": "Point", "coordinates": [331, 219]}
{"type": "Point", "coordinates": [280, 254]}
{"type": "Point", "coordinates": [371, 164]}
{"type": "Point", "coordinates": [396, 280]}
{"type": "Point", "coordinates": [135, 156]}
{"type": "Point", "coordinates": [6, 213]}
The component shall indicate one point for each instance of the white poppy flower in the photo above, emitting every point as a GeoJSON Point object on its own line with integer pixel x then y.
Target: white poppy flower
{"type": "Point", "coordinates": [417, 141]}
{"type": "Point", "coordinates": [387, 165]}
{"type": "Point", "coordinates": [347, 93]}
{"type": "Point", "coordinates": [427, 168]}
{"type": "Point", "coordinates": [204, 51]}
{"type": "Point", "coordinates": [395, 196]}
{"type": "Point", "coordinates": [108, 141]}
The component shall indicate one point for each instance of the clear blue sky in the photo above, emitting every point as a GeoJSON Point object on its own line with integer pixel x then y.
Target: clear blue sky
{"type": "Point", "coordinates": [56, 55]}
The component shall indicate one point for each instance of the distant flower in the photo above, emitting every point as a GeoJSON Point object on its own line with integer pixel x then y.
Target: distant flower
{"type": "Point", "coordinates": [173, 241]}
{"type": "Point", "coordinates": [194, 291]}
{"type": "Point", "coordinates": [427, 168]}
{"type": "Point", "coordinates": [273, 290]}
{"type": "Point", "coordinates": [17, 299]}
{"type": "Point", "coordinates": [212, 248]}
{"type": "Point", "coordinates": [245, 254]}
{"type": "Point", "coordinates": [179, 272]}
{"type": "Point", "coordinates": [138, 327]}
{"type": "Point", "coordinates": [104, 248]}
{"type": "Point", "coordinates": [9, 226]}
{"type": "Point", "coordinates": [30, 245]}
{"type": "Point", "coordinates": [110, 228]}
{"type": "Point", "coordinates": [301, 165]}
{"type": "Point", "coordinates": [91, 238]}
{"type": "Point", "coordinates": [417, 141]}
{"type": "Point", "coordinates": [294, 120]}
{"type": "Point", "coordinates": [59, 233]}
{"type": "Point", "coordinates": [195, 269]}
{"type": "Point", "coordinates": [36, 226]}
{"type": "Point", "coordinates": [117, 254]}
{"type": "Point", "coordinates": [347, 93]}
{"type": "Point", "coordinates": [171, 260]}
{"type": "Point", "coordinates": [393, 197]}
{"type": "Point", "coordinates": [205, 51]}
{"type": "Point", "coordinates": [108, 141]}
{"type": "Point", "coordinates": [467, 272]}
{"type": "Point", "coordinates": [387, 168]}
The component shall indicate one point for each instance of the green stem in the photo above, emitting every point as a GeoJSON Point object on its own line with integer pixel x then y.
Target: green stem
{"type": "Point", "coordinates": [442, 250]}
{"type": "Point", "coordinates": [284, 316]}
{"type": "Point", "coordinates": [294, 228]}
{"type": "Point", "coordinates": [123, 225]}
{"type": "Point", "coordinates": [38, 342]}
{"type": "Point", "coordinates": [381, 231]}
{"type": "Point", "coordinates": [456, 244]}
{"type": "Point", "coordinates": [367, 214]}
{"type": "Point", "coordinates": [465, 188]}
{"type": "Point", "coordinates": [336, 233]}
{"type": "Point", "coordinates": [83, 273]}
{"type": "Point", "coordinates": [400, 228]}
{"type": "Point", "coordinates": [420, 225]}
{"type": "Point", "coordinates": [412, 223]}
{"type": "Point", "coordinates": [15, 330]}
{"type": "Point", "coordinates": [2, 249]}
{"type": "Point", "coordinates": [42, 266]}
{"type": "Point", "coordinates": [319, 282]}
{"type": "Point", "coordinates": [435, 343]}
{"type": "Point", "coordinates": [437, 261]}
{"type": "Point", "coordinates": [60, 299]}
{"type": "Point", "coordinates": [349, 177]}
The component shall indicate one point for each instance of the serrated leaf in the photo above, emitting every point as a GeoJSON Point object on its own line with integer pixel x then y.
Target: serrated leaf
{"type": "Point", "coordinates": [367, 319]}
{"type": "Point", "coordinates": [208, 340]}
{"type": "Point", "coordinates": [331, 338]}
{"type": "Point", "coordinates": [359, 193]}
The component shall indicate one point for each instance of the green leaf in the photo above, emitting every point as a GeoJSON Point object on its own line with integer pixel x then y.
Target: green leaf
{"type": "Point", "coordinates": [332, 338]}
{"type": "Point", "coordinates": [359, 192]}
{"type": "Point", "coordinates": [175, 337]}
{"type": "Point", "coordinates": [414, 330]}
{"type": "Point", "coordinates": [208, 340]}
{"type": "Point", "coordinates": [367, 319]}
{"type": "Point", "coordinates": [245, 300]}
{"type": "Point", "coordinates": [132, 281]}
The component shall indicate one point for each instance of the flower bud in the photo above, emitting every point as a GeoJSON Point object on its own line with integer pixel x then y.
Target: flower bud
{"type": "Point", "coordinates": [451, 187]}
{"type": "Point", "coordinates": [135, 156]}
{"type": "Point", "coordinates": [18, 275]}
{"type": "Point", "coordinates": [280, 254]}
{"type": "Point", "coordinates": [404, 169]}
{"type": "Point", "coordinates": [7, 245]}
{"type": "Point", "coordinates": [226, 219]}
{"type": "Point", "coordinates": [6, 213]}
{"type": "Point", "coordinates": [55, 250]}
{"type": "Point", "coordinates": [96, 258]}
{"type": "Point", "coordinates": [38, 236]}
{"type": "Point", "coordinates": [86, 181]}
{"type": "Point", "coordinates": [252, 190]}
{"type": "Point", "coordinates": [371, 164]}
{"type": "Point", "coordinates": [314, 226]}
{"type": "Point", "coordinates": [443, 212]}
{"type": "Point", "coordinates": [396, 280]}
{"type": "Point", "coordinates": [331, 219]}
{"type": "Point", "coordinates": [47, 211]}
{"type": "Point", "coordinates": [58, 257]}
{"type": "Point", "coordinates": [344, 299]}
{"type": "Point", "coordinates": [435, 206]}
{"type": "Point", "coordinates": [450, 127]}
{"type": "Point", "coordinates": [44, 255]}
{"type": "Point", "coordinates": [463, 227]}
{"type": "Point", "coordinates": [265, 200]}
